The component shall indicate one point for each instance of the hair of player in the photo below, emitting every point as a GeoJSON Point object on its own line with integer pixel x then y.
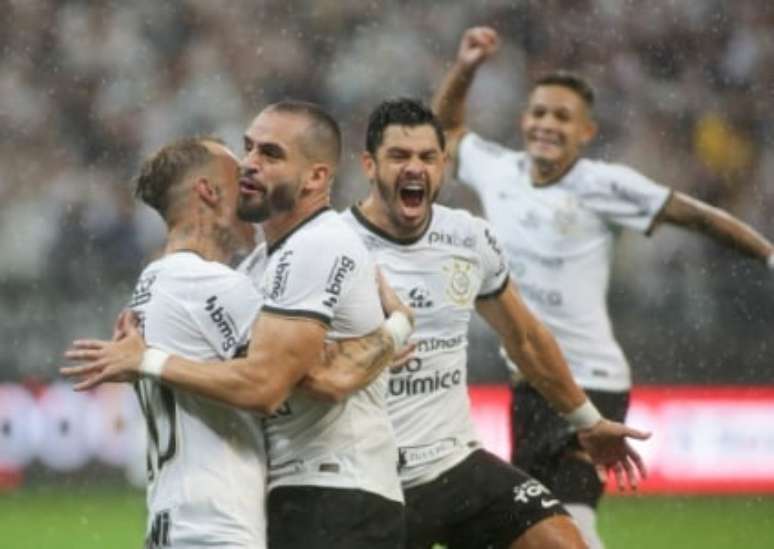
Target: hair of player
{"type": "Point", "coordinates": [403, 111]}
{"type": "Point", "coordinates": [571, 81]}
{"type": "Point", "coordinates": [322, 141]}
{"type": "Point", "coordinates": [166, 168]}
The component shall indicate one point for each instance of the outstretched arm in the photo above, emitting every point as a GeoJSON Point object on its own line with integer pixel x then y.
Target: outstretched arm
{"type": "Point", "coordinates": [718, 224]}
{"type": "Point", "coordinates": [477, 45]}
{"type": "Point", "coordinates": [534, 349]}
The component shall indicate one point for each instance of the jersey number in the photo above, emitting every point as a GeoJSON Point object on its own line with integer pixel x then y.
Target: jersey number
{"type": "Point", "coordinates": [158, 406]}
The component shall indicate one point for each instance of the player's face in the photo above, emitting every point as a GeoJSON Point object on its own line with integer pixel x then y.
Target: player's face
{"type": "Point", "coordinates": [556, 125]}
{"type": "Point", "coordinates": [230, 226]}
{"type": "Point", "coordinates": [272, 166]}
{"type": "Point", "coordinates": [408, 172]}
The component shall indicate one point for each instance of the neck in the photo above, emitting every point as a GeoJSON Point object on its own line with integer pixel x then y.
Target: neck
{"type": "Point", "coordinates": [279, 225]}
{"type": "Point", "coordinates": [376, 211]}
{"type": "Point", "coordinates": [545, 172]}
{"type": "Point", "coordinates": [210, 241]}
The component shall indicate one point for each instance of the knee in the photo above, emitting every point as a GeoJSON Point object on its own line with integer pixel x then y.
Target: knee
{"type": "Point", "coordinates": [558, 532]}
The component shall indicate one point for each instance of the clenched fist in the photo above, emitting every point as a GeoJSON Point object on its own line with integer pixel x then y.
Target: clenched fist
{"type": "Point", "coordinates": [477, 45]}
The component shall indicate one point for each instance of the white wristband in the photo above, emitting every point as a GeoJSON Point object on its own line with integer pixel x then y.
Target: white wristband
{"type": "Point", "coordinates": [399, 327]}
{"type": "Point", "coordinates": [770, 262]}
{"type": "Point", "coordinates": [153, 362]}
{"type": "Point", "coordinates": [584, 416]}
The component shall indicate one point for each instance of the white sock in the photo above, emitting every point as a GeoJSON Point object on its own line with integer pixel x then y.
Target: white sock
{"type": "Point", "coordinates": [586, 519]}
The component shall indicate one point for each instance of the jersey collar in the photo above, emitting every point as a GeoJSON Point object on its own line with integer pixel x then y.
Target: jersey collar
{"type": "Point", "coordinates": [363, 220]}
{"type": "Point", "coordinates": [274, 247]}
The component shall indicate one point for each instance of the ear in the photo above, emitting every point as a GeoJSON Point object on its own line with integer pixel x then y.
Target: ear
{"type": "Point", "coordinates": [207, 191]}
{"type": "Point", "coordinates": [320, 175]}
{"type": "Point", "coordinates": [589, 131]}
{"type": "Point", "coordinates": [369, 165]}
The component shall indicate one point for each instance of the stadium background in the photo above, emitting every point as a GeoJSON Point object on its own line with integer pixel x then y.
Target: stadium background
{"type": "Point", "coordinates": [685, 94]}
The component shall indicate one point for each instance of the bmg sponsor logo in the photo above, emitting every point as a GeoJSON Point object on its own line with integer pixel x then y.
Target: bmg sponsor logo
{"type": "Point", "coordinates": [281, 272]}
{"type": "Point", "coordinates": [341, 268]}
{"type": "Point", "coordinates": [223, 322]}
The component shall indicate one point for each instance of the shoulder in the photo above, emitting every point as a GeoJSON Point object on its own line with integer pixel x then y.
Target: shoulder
{"type": "Point", "coordinates": [329, 234]}
{"type": "Point", "coordinates": [187, 275]}
{"type": "Point", "coordinates": [457, 219]}
{"type": "Point", "coordinates": [600, 171]}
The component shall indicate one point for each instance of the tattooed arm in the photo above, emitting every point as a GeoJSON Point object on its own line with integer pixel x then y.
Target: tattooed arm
{"type": "Point", "coordinates": [349, 365]}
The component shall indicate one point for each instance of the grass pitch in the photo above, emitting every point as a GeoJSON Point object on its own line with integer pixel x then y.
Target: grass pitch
{"type": "Point", "coordinates": [111, 518]}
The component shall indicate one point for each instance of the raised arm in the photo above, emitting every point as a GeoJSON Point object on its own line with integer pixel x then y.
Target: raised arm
{"type": "Point", "coordinates": [534, 349]}
{"type": "Point", "coordinates": [477, 45]}
{"type": "Point", "coordinates": [718, 224]}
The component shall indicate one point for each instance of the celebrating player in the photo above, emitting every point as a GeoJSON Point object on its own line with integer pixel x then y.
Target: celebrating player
{"type": "Point", "coordinates": [445, 263]}
{"type": "Point", "coordinates": [332, 467]}
{"type": "Point", "coordinates": [560, 214]}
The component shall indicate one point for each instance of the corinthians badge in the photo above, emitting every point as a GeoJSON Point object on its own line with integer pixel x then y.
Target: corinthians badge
{"type": "Point", "coordinates": [459, 281]}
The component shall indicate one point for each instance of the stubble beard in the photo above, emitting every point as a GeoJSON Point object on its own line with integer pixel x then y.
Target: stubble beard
{"type": "Point", "coordinates": [281, 199]}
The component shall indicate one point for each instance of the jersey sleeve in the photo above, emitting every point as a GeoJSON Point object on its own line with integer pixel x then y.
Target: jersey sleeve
{"type": "Point", "coordinates": [309, 278]}
{"type": "Point", "coordinates": [628, 198]}
{"type": "Point", "coordinates": [475, 158]}
{"type": "Point", "coordinates": [494, 276]}
{"type": "Point", "coordinates": [225, 312]}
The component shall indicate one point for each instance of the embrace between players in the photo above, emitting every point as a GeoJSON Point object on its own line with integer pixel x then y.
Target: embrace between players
{"type": "Point", "coordinates": [285, 411]}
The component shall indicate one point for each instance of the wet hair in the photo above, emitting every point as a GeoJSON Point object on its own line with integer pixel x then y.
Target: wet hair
{"type": "Point", "coordinates": [322, 141]}
{"type": "Point", "coordinates": [571, 81]}
{"type": "Point", "coordinates": [166, 168]}
{"type": "Point", "coordinates": [402, 111]}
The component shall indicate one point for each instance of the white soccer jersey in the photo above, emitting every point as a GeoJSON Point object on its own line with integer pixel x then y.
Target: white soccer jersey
{"type": "Point", "coordinates": [207, 462]}
{"type": "Point", "coordinates": [559, 242]}
{"type": "Point", "coordinates": [322, 271]}
{"type": "Point", "coordinates": [439, 275]}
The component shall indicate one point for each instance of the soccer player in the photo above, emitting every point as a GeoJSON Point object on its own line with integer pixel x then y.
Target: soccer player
{"type": "Point", "coordinates": [560, 214]}
{"type": "Point", "coordinates": [332, 466]}
{"type": "Point", "coordinates": [191, 303]}
{"type": "Point", "coordinates": [445, 263]}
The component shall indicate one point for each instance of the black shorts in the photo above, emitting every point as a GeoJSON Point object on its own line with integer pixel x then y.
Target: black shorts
{"type": "Point", "coordinates": [305, 517]}
{"type": "Point", "coordinates": [481, 503]}
{"type": "Point", "coordinates": [541, 436]}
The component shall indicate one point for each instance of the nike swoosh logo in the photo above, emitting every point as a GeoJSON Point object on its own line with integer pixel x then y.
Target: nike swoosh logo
{"type": "Point", "coordinates": [548, 503]}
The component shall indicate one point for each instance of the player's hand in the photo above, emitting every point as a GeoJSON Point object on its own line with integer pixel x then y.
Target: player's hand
{"type": "Point", "coordinates": [607, 445]}
{"type": "Point", "coordinates": [477, 45]}
{"type": "Point", "coordinates": [101, 361]}
{"type": "Point", "coordinates": [390, 300]}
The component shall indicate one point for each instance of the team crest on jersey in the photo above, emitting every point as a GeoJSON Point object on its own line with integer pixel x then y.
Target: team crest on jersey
{"type": "Point", "coordinates": [459, 281]}
{"type": "Point", "coordinates": [566, 217]}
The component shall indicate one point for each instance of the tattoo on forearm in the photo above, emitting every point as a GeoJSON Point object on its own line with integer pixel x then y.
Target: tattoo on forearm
{"type": "Point", "coordinates": [372, 352]}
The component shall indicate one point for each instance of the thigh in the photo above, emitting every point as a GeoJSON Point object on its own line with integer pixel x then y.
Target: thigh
{"type": "Point", "coordinates": [482, 502]}
{"type": "Point", "coordinates": [301, 517]}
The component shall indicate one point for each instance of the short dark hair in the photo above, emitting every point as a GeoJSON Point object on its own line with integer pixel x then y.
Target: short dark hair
{"type": "Point", "coordinates": [324, 136]}
{"type": "Point", "coordinates": [166, 168]}
{"type": "Point", "coordinates": [571, 81]}
{"type": "Point", "coordinates": [402, 111]}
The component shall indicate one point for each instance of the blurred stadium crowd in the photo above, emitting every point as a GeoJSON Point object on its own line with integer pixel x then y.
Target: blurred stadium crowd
{"type": "Point", "coordinates": [88, 88]}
